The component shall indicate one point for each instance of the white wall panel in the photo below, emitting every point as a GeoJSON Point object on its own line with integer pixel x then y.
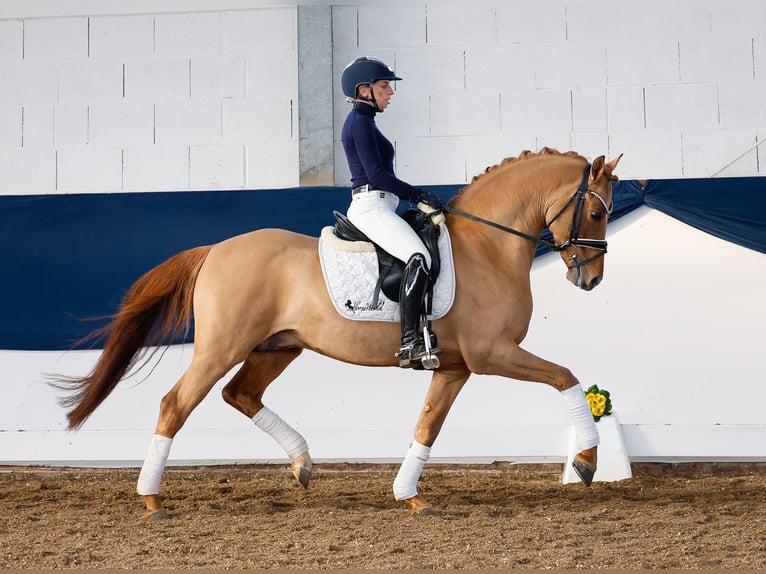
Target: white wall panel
{"type": "Point", "coordinates": [431, 161]}
{"type": "Point", "coordinates": [272, 164]}
{"type": "Point", "coordinates": [625, 109]}
{"type": "Point", "coordinates": [536, 111]}
{"type": "Point", "coordinates": [592, 145]}
{"type": "Point", "coordinates": [267, 29]}
{"type": "Point", "coordinates": [272, 73]}
{"type": "Point", "coordinates": [759, 58]}
{"type": "Point", "coordinates": [691, 106]}
{"type": "Point", "coordinates": [382, 27]}
{"type": "Point", "coordinates": [10, 126]}
{"type": "Point", "coordinates": [157, 80]}
{"type": "Point", "coordinates": [218, 77]}
{"type": "Point", "coordinates": [408, 115]}
{"type": "Point", "coordinates": [27, 170]}
{"type": "Point", "coordinates": [38, 126]}
{"type": "Point", "coordinates": [27, 83]}
{"type": "Point", "coordinates": [192, 34]}
{"type": "Point", "coordinates": [449, 117]}
{"type": "Point", "coordinates": [589, 110]}
{"type": "Point", "coordinates": [706, 152]}
{"type": "Point", "coordinates": [568, 64]}
{"type": "Point", "coordinates": [643, 62]}
{"type": "Point", "coordinates": [89, 169]}
{"type": "Point", "coordinates": [345, 29]}
{"type": "Point", "coordinates": [11, 40]}
{"type": "Point", "coordinates": [163, 168]}
{"type": "Point", "coordinates": [430, 70]}
{"type": "Point", "coordinates": [90, 81]}
{"type": "Point", "coordinates": [257, 119]}
{"type": "Point", "coordinates": [122, 123]}
{"type": "Point", "coordinates": [484, 151]}
{"type": "Point", "coordinates": [727, 59]}
{"type": "Point", "coordinates": [217, 166]}
{"type": "Point", "coordinates": [55, 38]}
{"type": "Point", "coordinates": [741, 104]}
{"type": "Point", "coordinates": [193, 121]}
{"type": "Point", "coordinates": [461, 23]}
{"type": "Point", "coordinates": [742, 17]}
{"type": "Point", "coordinates": [71, 125]}
{"type": "Point", "coordinates": [499, 67]}
{"type": "Point", "coordinates": [541, 21]}
{"type": "Point", "coordinates": [122, 37]}
{"type": "Point", "coordinates": [648, 155]}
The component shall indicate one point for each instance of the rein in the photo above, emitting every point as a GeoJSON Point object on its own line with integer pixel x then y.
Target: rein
{"type": "Point", "coordinates": [578, 198]}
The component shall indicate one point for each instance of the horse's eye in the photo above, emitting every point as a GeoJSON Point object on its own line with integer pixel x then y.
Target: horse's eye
{"type": "Point", "coordinates": [595, 215]}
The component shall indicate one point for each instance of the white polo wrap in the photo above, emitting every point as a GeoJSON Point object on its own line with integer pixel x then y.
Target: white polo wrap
{"type": "Point", "coordinates": [586, 433]}
{"type": "Point", "coordinates": [285, 435]}
{"type": "Point", "coordinates": [406, 482]}
{"type": "Point", "coordinates": [154, 465]}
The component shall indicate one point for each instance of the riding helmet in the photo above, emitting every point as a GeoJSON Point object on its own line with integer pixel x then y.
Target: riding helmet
{"type": "Point", "coordinates": [364, 70]}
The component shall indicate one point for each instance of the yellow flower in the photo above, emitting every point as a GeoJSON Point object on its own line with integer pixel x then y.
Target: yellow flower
{"type": "Point", "coordinates": [597, 403]}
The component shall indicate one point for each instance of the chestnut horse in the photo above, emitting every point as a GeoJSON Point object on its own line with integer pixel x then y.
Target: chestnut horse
{"type": "Point", "coordinates": [260, 298]}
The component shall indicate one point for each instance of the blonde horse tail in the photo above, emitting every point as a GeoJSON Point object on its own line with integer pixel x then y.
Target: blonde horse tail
{"type": "Point", "coordinates": [155, 311]}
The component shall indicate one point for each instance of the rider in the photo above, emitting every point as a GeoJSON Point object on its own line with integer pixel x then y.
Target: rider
{"type": "Point", "coordinates": [376, 192]}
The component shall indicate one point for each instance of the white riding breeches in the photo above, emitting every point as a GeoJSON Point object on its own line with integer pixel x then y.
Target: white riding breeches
{"type": "Point", "coordinates": [374, 213]}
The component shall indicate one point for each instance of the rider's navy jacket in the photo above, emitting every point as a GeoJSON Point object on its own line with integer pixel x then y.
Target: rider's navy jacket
{"type": "Point", "coordinates": [370, 155]}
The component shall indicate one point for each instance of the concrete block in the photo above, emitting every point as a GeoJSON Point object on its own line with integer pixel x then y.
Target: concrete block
{"type": "Point", "coordinates": [261, 29]}
{"type": "Point", "coordinates": [27, 170]}
{"type": "Point", "coordinates": [408, 116]}
{"type": "Point", "coordinates": [642, 62]}
{"type": "Point", "coordinates": [566, 64]}
{"type": "Point", "coordinates": [716, 59]}
{"type": "Point", "coordinates": [451, 23]}
{"type": "Point", "coordinates": [218, 77]}
{"type": "Point", "coordinates": [156, 168]}
{"type": "Point", "coordinates": [90, 81]}
{"type": "Point", "coordinates": [382, 27]}
{"type": "Point", "coordinates": [122, 37]}
{"type": "Point", "coordinates": [187, 34]}
{"type": "Point", "coordinates": [483, 152]}
{"type": "Point", "coordinates": [707, 152]}
{"type": "Point", "coordinates": [345, 29]}
{"type": "Point", "coordinates": [592, 145]}
{"type": "Point", "coordinates": [217, 166]}
{"type": "Point", "coordinates": [625, 109]}
{"type": "Point", "coordinates": [589, 112]}
{"type": "Point", "coordinates": [759, 58]}
{"type": "Point", "coordinates": [11, 40]}
{"type": "Point", "coordinates": [120, 124]}
{"type": "Point", "coordinates": [258, 119]}
{"type": "Point", "coordinates": [594, 20]}
{"type": "Point", "coordinates": [561, 141]}
{"type": "Point", "coordinates": [691, 106]}
{"type": "Point", "coordinates": [745, 18]}
{"type": "Point", "coordinates": [10, 126]}
{"type": "Point", "coordinates": [742, 104]}
{"type": "Point", "coordinates": [89, 169]}
{"type": "Point", "coordinates": [273, 73]}
{"type": "Point", "coordinates": [465, 114]}
{"type": "Point", "coordinates": [27, 82]}
{"type": "Point", "coordinates": [431, 161]}
{"type": "Point", "coordinates": [536, 111]}
{"type": "Point", "coordinates": [157, 80]}
{"type": "Point", "coordinates": [190, 122]}
{"type": "Point", "coordinates": [506, 67]}
{"type": "Point", "coordinates": [432, 70]}
{"type": "Point", "coordinates": [341, 171]}
{"type": "Point", "coordinates": [55, 38]}
{"type": "Point", "coordinates": [70, 125]}
{"type": "Point", "coordinates": [534, 23]}
{"type": "Point", "coordinates": [272, 165]}
{"type": "Point", "coordinates": [38, 125]}
{"type": "Point", "coordinates": [648, 155]}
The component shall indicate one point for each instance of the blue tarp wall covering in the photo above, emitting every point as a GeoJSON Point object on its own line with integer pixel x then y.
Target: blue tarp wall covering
{"type": "Point", "coordinates": [68, 259]}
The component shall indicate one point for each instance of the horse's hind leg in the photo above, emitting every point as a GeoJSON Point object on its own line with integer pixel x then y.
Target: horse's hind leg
{"type": "Point", "coordinates": [245, 393]}
{"type": "Point", "coordinates": [175, 408]}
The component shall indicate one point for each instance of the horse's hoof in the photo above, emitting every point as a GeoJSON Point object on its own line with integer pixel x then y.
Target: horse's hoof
{"type": "Point", "coordinates": [584, 470]}
{"type": "Point", "coordinates": [301, 467]}
{"type": "Point", "coordinates": [154, 515]}
{"type": "Point", "coordinates": [419, 507]}
{"type": "Point", "coordinates": [430, 511]}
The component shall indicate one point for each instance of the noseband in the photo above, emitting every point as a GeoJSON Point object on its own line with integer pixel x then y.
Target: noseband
{"type": "Point", "coordinates": [578, 199]}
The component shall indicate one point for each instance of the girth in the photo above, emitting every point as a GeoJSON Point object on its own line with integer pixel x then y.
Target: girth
{"type": "Point", "coordinates": [391, 269]}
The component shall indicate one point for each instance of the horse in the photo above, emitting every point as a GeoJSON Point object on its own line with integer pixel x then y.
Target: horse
{"type": "Point", "coordinates": [259, 299]}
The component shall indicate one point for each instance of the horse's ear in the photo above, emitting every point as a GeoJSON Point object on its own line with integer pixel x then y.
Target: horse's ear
{"type": "Point", "coordinates": [597, 168]}
{"type": "Point", "coordinates": [611, 166]}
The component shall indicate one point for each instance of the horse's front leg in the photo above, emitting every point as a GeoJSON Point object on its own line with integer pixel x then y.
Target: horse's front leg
{"type": "Point", "coordinates": [445, 386]}
{"type": "Point", "coordinates": [514, 362]}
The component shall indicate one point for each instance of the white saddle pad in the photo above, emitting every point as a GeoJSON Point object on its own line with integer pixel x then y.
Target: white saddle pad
{"type": "Point", "coordinates": [350, 271]}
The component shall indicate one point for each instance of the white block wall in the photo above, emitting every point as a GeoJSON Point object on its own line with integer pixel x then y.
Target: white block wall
{"type": "Point", "coordinates": [204, 99]}
{"type": "Point", "coordinates": [677, 86]}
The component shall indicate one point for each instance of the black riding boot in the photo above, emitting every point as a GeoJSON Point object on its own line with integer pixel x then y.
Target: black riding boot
{"type": "Point", "coordinates": [411, 296]}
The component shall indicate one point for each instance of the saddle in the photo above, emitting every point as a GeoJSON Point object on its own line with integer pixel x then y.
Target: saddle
{"type": "Point", "coordinates": [391, 269]}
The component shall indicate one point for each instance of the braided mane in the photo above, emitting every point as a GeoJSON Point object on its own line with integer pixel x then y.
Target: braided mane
{"type": "Point", "coordinates": [526, 154]}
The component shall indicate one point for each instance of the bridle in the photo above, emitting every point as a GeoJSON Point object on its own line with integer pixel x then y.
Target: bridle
{"type": "Point", "coordinates": [578, 199]}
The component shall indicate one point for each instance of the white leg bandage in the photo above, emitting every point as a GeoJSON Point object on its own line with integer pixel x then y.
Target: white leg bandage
{"type": "Point", "coordinates": [406, 482]}
{"type": "Point", "coordinates": [285, 435]}
{"type": "Point", "coordinates": [586, 433]}
{"type": "Point", "coordinates": [154, 465]}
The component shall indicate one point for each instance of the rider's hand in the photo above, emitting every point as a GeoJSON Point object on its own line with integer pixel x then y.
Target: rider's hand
{"type": "Point", "coordinates": [431, 200]}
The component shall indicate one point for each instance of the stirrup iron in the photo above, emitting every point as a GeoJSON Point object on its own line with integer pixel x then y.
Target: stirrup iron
{"type": "Point", "coordinates": [430, 362]}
